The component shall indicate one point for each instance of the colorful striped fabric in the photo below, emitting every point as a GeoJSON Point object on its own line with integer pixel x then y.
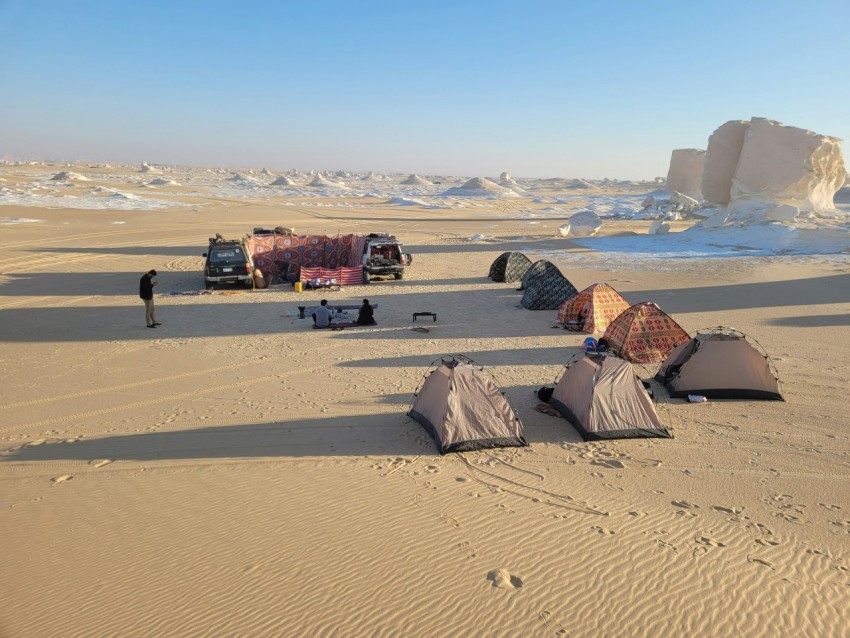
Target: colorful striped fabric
{"type": "Point", "coordinates": [345, 275]}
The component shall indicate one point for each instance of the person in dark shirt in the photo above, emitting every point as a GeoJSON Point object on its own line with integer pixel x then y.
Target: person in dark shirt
{"type": "Point", "coordinates": [146, 285]}
{"type": "Point", "coordinates": [366, 316]}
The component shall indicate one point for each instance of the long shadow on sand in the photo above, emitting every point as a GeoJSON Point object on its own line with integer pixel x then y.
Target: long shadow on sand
{"type": "Point", "coordinates": [209, 316]}
{"type": "Point", "coordinates": [171, 251]}
{"type": "Point", "coordinates": [828, 289]}
{"type": "Point", "coordinates": [815, 321]}
{"type": "Point", "coordinates": [383, 434]}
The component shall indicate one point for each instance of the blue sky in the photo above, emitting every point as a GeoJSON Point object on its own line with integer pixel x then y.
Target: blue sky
{"type": "Point", "coordinates": [594, 89]}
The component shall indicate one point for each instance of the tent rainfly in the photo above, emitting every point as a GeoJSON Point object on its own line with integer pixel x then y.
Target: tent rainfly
{"type": "Point", "coordinates": [509, 267]}
{"type": "Point", "coordinates": [545, 287]}
{"type": "Point", "coordinates": [719, 363]}
{"type": "Point", "coordinates": [603, 398]}
{"type": "Point", "coordinates": [463, 409]}
{"type": "Point", "coordinates": [592, 310]}
{"type": "Point", "coordinates": [644, 333]}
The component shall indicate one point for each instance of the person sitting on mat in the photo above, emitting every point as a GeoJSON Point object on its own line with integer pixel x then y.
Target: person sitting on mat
{"type": "Point", "coordinates": [366, 316]}
{"type": "Point", "coordinates": [322, 316]}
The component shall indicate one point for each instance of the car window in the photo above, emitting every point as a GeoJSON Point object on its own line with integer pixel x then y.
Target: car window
{"type": "Point", "coordinates": [226, 255]}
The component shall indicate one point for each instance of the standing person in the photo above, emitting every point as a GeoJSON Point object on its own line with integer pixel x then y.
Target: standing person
{"type": "Point", "coordinates": [366, 316]}
{"type": "Point", "coordinates": [322, 315]}
{"type": "Point", "coordinates": [146, 284]}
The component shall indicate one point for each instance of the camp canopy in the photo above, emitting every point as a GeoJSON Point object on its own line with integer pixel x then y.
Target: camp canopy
{"type": "Point", "coordinates": [601, 304]}
{"type": "Point", "coordinates": [643, 333]}
{"type": "Point", "coordinates": [719, 363]}
{"type": "Point", "coordinates": [604, 399]}
{"type": "Point", "coordinates": [545, 287]}
{"type": "Point", "coordinates": [509, 267]}
{"type": "Point", "coordinates": [463, 409]}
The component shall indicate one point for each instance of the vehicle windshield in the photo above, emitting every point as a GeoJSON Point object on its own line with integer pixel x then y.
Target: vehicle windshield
{"type": "Point", "coordinates": [226, 254]}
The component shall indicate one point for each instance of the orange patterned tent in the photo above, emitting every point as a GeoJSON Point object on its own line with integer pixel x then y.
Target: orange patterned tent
{"type": "Point", "coordinates": [603, 305]}
{"type": "Point", "coordinates": [644, 334]}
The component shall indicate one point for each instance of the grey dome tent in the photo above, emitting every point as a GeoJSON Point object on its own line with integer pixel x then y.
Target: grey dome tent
{"type": "Point", "coordinates": [463, 409]}
{"type": "Point", "coordinates": [602, 397]}
{"type": "Point", "coordinates": [545, 287]}
{"type": "Point", "coordinates": [719, 363]}
{"type": "Point", "coordinates": [509, 267]}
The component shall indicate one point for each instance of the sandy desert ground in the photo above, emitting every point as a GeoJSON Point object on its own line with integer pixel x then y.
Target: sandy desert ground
{"type": "Point", "coordinates": [234, 473]}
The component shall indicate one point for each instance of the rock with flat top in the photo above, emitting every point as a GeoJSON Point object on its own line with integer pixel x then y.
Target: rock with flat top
{"type": "Point", "coordinates": [685, 173]}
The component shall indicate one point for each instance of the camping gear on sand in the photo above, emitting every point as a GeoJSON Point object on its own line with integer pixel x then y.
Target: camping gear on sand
{"type": "Point", "coordinates": [603, 399]}
{"type": "Point", "coordinates": [719, 363]}
{"type": "Point", "coordinates": [644, 333]}
{"type": "Point", "coordinates": [462, 407]}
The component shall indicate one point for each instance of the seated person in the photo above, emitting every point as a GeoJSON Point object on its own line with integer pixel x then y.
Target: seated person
{"type": "Point", "coordinates": [322, 316]}
{"type": "Point", "coordinates": [366, 315]}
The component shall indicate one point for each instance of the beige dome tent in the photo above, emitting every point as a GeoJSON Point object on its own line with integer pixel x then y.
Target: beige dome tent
{"type": "Point", "coordinates": [463, 409]}
{"type": "Point", "coordinates": [719, 363]}
{"type": "Point", "coordinates": [603, 398]}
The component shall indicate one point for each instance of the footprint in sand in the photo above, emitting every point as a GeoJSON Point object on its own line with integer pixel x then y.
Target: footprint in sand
{"type": "Point", "coordinates": [503, 579]}
{"type": "Point", "coordinates": [603, 531]}
{"type": "Point", "coordinates": [61, 479]}
{"type": "Point", "coordinates": [100, 462]}
{"type": "Point", "coordinates": [764, 542]}
{"type": "Point", "coordinates": [551, 623]}
{"type": "Point", "coordinates": [728, 510]}
{"type": "Point", "coordinates": [760, 561]}
{"type": "Point", "coordinates": [705, 540]}
{"type": "Point", "coordinates": [685, 505]}
{"type": "Point", "coordinates": [612, 463]}
{"type": "Point", "coordinates": [466, 548]}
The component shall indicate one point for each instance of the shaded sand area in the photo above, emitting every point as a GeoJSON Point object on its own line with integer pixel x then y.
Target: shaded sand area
{"type": "Point", "coordinates": [235, 473]}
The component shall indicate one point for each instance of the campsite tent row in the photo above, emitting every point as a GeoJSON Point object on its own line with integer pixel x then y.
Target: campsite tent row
{"type": "Point", "coordinates": [463, 408]}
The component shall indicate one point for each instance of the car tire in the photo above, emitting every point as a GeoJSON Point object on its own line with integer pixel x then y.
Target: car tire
{"type": "Point", "coordinates": [399, 275]}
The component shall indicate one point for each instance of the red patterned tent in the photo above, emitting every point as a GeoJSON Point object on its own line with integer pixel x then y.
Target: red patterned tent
{"type": "Point", "coordinates": [644, 333]}
{"type": "Point", "coordinates": [604, 304]}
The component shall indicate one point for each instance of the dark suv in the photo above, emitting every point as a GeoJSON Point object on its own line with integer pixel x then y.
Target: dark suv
{"type": "Point", "coordinates": [228, 262]}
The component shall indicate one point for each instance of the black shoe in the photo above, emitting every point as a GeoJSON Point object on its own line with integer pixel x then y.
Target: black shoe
{"type": "Point", "coordinates": [152, 326]}
{"type": "Point", "coordinates": [156, 323]}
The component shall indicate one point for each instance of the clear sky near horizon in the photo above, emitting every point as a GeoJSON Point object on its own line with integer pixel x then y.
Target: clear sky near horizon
{"type": "Point", "coordinates": [538, 89]}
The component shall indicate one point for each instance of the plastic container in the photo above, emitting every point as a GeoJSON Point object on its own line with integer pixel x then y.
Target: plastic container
{"type": "Point", "coordinates": [298, 286]}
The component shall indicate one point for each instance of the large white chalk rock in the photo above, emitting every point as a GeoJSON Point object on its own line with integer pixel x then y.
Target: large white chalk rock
{"type": "Point", "coordinates": [584, 224]}
{"type": "Point", "coordinates": [415, 180]}
{"type": "Point", "coordinates": [685, 173]}
{"type": "Point", "coordinates": [782, 213]}
{"type": "Point", "coordinates": [649, 202]}
{"type": "Point", "coordinates": [715, 221]}
{"type": "Point", "coordinates": [686, 203]}
{"type": "Point", "coordinates": [658, 227]}
{"type": "Point", "coordinates": [787, 165]}
{"type": "Point", "coordinates": [505, 179]}
{"type": "Point", "coordinates": [721, 160]}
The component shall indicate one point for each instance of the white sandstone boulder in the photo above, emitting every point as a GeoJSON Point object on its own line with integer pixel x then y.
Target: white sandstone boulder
{"type": "Point", "coordinates": [685, 173]}
{"type": "Point", "coordinates": [782, 213]}
{"type": "Point", "coordinates": [658, 227]}
{"type": "Point", "coordinates": [721, 160]}
{"type": "Point", "coordinates": [788, 165]}
{"type": "Point", "coordinates": [649, 202]}
{"type": "Point", "coordinates": [685, 203]}
{"type": "Point", "coordinates": [715, 221]}
{"type": "Point", "coordinates": [583, 224]}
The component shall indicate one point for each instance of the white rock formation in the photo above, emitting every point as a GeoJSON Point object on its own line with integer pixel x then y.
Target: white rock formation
{"type": "Point", "coordinates": [319, 181]}
{"type": "Point", "coordinates": [782, 213]}
{"type": "Point", "coordinates": [788, 165]}
{"type": "Point", "coordinates": [415, 180]}
{"type": "Point", "coordinates": [685, 173]}
{"type": "Point", "coordinates": [684, 203]}
{"type": "Point", "coordinates": [480, 187]}
{"type": "Point", "coordinates": [505, 179]}
{"type": "Point", "coordinates": [583, 224]}
{"type": "Point", "coordinates": [715, 221]}
{"type": "Point", "coordinates": [721, 160]}
{"type": "Point", "coordinates": [658, 227]}
{"type": "Point", "coordinates": [649, 202]}
{"type": "Point", "coordinates": [147, 168]}
{"type": "Point", "coordinates": [579, 184]}
{"type": "Point", "coordinates": [70, 175]}
{"type": "Point", "coordinates": [283, 180]}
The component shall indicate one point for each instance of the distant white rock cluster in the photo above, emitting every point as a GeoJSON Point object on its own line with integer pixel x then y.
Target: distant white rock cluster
{"type": "Point", "coordinates": [70, 175]}
{"type": "Point", "coordinates": [480, 187]}
{"type": "Point", "coordinates": [415, 180]}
